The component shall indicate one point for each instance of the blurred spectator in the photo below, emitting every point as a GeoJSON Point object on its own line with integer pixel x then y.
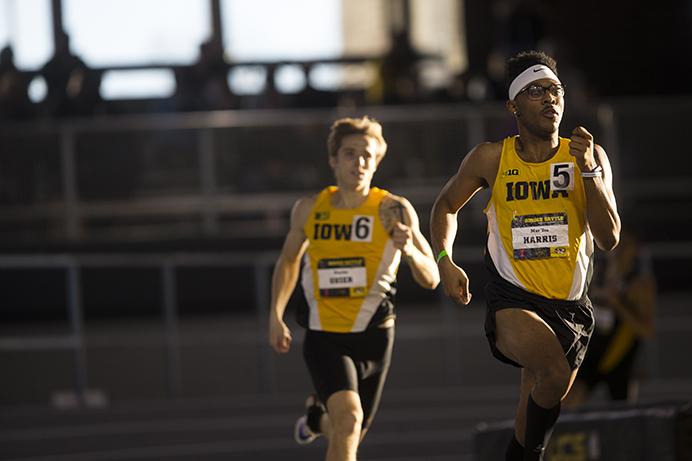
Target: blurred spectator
{"type": "Point", "coordinates": [398, 80]}
{"type": "Point", "coordinates": [186, 97]}
{"type": "Point", "coordinates": [14, 89]}
{"type": "Point", "coordinates": [270, 98]}
{"type": "Point", "coordinates": [83, 93]}
{"type": "Point", "coordinates": [483, 85]}
{"type": "Point", "coordinates": [204, 85]}
{"type": "Point", "coordinates": [624, 298]}
{"type": "Point", "coordinates": [579, 94]}
{"type": "Point", "coordinates": [212, 72]}
{"type": "Point", "coordinates": [491, 84]}
{"type": "Point", "coordinates": [454, 91]}
{"type": "Point", "coordinates": [58, 72]}
{"type": "Point", "coordinates": [495, 66]}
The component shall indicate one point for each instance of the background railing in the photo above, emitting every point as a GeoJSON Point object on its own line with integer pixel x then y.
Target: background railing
{"type": "Point", "coordinates": [210, 174]}
{"type": "Point", "coordinates": [233, 174]}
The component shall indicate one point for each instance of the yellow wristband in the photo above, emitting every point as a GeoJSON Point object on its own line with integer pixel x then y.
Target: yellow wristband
{"type": "Point", "coordinates": [441, 255]}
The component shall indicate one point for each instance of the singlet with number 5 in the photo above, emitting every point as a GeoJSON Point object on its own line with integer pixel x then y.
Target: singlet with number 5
{"type": "Point", "coordinates": [538, 237]}
{"type": "Point", "coordinates": [350, 264]}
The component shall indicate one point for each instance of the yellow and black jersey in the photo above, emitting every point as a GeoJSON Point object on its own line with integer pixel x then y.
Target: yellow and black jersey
{"type": "Point", "coordinates": [538, 237]}
{"type": "Point", "coordinates": [350, 264]}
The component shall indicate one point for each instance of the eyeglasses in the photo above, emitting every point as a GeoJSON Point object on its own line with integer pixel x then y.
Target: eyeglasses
{"type": "Point", "coordinates": [535, 91]}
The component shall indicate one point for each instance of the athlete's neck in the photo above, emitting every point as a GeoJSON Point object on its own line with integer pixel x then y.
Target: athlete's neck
{"type": "Point", "coordinates": [350, 198]}
{"type": "Point", "coordinates": [536, 149]}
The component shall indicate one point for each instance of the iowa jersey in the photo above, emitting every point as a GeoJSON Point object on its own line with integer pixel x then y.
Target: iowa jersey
{"type": "Point", "coordinates": [538, 238]}
{"type": "Point", "coordinates": [350, 264]}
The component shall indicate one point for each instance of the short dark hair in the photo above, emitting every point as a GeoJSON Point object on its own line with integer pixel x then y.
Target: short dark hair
{"type": "Point", "coordinates": [346, 126]}
{"type": "Point", "coordinates": [522, 61]}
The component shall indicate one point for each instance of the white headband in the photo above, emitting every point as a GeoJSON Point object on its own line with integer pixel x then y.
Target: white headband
{"type": "Point", "coordinates": [531, 74]}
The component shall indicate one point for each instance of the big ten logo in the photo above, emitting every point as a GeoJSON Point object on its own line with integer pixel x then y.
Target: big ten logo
{"type": "Point", "coordinates": [568, 446]}
{"type": "Point", "coordinates": [511, 172]}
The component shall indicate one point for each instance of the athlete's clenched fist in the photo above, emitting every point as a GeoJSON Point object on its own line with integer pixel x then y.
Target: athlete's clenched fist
{"type": "Point", "coordinates": [455, 282]}
{"type": "Point", "coordinates": [581, 148]}
{"type": "Point", "coordinates": [402, 238]}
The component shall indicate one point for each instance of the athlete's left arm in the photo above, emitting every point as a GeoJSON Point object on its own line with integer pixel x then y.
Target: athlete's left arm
{"type": "Point", "coordinates": [414, 247]}
{"type": "Point", "coordinates": [601, 208]}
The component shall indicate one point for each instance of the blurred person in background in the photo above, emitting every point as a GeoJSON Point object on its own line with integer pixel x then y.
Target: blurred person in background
{"type": "Point", "coordinates": [83, 95]}
{"type": "Point", "coordinates": [398, 80]}
{"type": "Point", "coordinates": [204, 85]}
{"type": "Point", "coordinates": [64, 74]}
{"type": "Point", "coordinates": [351, 239]}
{"type": "Point", "coordinates": [551, 198]}
{"type": "Point", "coordinates": [211, 76]}
{"type": "Point", "coordinates": [14, 89]}
{"type": "Point", "coordinates": [623, 292]}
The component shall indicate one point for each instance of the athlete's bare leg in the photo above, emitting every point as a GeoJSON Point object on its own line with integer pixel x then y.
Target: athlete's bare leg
{"type": "Point", "coordinates": [325, 427]}
{"type": "Point", "coordinates": [527, 383]}
{"type": "Point", "coordinates": [345, 421]}
{"type": "Point", "coordinates": [525, 338]}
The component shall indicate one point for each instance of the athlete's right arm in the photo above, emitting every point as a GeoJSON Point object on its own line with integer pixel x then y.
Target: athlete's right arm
{"type": "Point", "coordinates": [285, 275]}
{"type": "Point", "coordinates": [475, 173]}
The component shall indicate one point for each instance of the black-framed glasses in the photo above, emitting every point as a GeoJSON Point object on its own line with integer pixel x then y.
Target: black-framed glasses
{"type": "Point", "coordinates": [536, 91]}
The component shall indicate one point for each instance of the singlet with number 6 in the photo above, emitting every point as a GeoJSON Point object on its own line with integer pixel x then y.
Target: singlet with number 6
{"type": "Point", "coordinates": [350, 264]}
{"type": "Point", "coordinates": [538, 237]}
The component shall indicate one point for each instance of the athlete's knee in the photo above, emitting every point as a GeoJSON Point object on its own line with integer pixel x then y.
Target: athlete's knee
{"type": "Point", "coordinates": [555, 377]}
{"type": "Point", "coordinates": [346, 421]}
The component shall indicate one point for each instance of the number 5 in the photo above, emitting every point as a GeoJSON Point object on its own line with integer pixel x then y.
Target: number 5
{"type": "Point", "coordinates": [562, 176]}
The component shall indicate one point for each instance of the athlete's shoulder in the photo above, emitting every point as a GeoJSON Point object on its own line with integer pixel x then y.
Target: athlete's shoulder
{"type": "Point", "coordinates": [389, 199]}
{"type": "Point", "coordinates": [486, 153]}
{"type": "Point", "coordinates": [308, 202]}
{"type": "Point", "coordinates": [302, 208]}
{"type": "Point", "coordinates": [395, 208]}
{"type": "Point", "coordinates": [490, 147]}
{"type": "Point", "coordinates": [483, 160]}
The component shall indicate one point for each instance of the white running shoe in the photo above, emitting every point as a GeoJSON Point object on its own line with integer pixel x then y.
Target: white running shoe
{"type": "Point", "coordinates": [302, 433]}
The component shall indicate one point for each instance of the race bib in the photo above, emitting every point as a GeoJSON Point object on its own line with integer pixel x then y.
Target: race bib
{"type": "Point", "coordinates": [539, 236]}
{"type": "Point", "coordinates": [361, 228]}
{"type": "Point", "coordinates": [562, 176]}
{"type": "Point", "coordinates": [342, 277]}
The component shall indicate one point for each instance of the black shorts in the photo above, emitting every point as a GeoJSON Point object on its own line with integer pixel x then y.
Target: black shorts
{"type": "Point", "coordinates": [572, 321]}
{"type": "Point", "coordinates": [350, 361]}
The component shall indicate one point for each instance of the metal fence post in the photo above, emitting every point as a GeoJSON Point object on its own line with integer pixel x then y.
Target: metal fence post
{"type": "Point", "coordinates": [170, 317]}
{"type": "Point", "coordinates": [74, 308]}
{"type": "Point", "coordinates": [207, 172]}
{"type": "Point", "coordinates": [69, 184]}
{"type": "Point", "coordinates": [265, 356]}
